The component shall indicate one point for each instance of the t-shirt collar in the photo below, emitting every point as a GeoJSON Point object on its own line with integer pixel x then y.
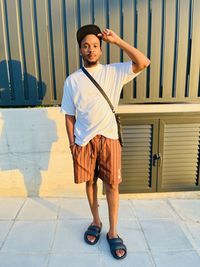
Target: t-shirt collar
{"type": "Point", "coordinates": [95, 68]}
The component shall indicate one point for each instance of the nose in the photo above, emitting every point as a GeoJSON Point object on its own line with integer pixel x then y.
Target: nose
{"type": "Point", "coordinates": [91, 49]}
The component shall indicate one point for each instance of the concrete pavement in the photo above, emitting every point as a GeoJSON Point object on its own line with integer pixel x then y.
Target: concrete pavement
{"type": "Point", "coordinates": [48, 232]}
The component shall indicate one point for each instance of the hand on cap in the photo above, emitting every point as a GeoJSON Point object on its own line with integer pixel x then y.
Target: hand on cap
{"type": "Point", "coordinates": [109, 36]}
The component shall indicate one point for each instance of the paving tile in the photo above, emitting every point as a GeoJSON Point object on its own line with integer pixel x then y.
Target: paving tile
{"type": "Point", "coordinates": [75, 260]}
{"type": "Point", "coordinates": [194, 229]}
{"type": "Point", "coordinates": [137, 259]}
{"type": "Point", "coordinates": [74, 208]}
{"type": "Point", "coordinates": [9, 207]}
{"type": "Point", "coordinates": [125, 209]}
{"type": "Point", "coordinates": [131, 234]}
{"type": "Point", "coordinates": [188, 210]}
{"type": "Point", "coordinates": [198, 252]}
{"type": "Point", "coordinates": [177, 259]}
{"type": "Point", "coordinates": [4, 229]}
{"type": "Point", "coordinates": [18, 260]}
{"type": "Point", "coordinates": [165, 235]}
{"type": "Point", "coordinates": [30, 236]}
{"type": "Point", "coordinates": [39, 209]}
{"type": "Point", "coordinates": [152, 209]}
{"type": "Point", "coordinates": [69, 236]}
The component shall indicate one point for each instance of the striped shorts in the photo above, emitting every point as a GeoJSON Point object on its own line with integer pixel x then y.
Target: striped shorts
{"type": "Point", "coordinates": [100, 158]}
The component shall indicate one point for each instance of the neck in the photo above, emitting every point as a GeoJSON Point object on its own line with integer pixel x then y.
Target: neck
{"type": "Point", "coordinates": [90, 65]}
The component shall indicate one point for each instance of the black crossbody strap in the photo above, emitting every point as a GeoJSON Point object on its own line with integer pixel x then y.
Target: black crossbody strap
{"type": "Point", "coordinates": [110, 104]}
{"type": "Point", "coordinates": [98, 87]}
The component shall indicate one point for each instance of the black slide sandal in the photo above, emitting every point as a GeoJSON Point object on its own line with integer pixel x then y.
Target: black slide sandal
{"type": "Point", "coordinates": [95, 231]}
{"type": "Point", "coordinates": [115, 244]}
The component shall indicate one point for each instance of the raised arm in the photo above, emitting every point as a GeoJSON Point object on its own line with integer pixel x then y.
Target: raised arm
{"type": "Point", "coordinates": [140, 61]}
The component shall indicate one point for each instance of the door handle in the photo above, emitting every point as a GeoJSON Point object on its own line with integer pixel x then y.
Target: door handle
{"type": "Point", "coordinates": [157, 157]}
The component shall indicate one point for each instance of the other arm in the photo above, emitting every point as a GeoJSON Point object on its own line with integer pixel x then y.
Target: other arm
{"type": "Point", "coordinates": [139, 60]}
{"type": "Point", "coordinates": [69, 123]}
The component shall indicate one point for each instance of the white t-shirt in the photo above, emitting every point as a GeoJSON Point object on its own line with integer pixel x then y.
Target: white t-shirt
{"type": "Point", "coordinates": [82, 99]}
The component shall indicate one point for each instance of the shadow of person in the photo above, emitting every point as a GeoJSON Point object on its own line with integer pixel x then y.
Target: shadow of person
{"type": "Point", "coordinates": [26, 135]}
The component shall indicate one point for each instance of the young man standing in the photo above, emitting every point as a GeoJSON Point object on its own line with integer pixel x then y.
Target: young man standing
{"type": "Point", "coordinates": [92, 128]}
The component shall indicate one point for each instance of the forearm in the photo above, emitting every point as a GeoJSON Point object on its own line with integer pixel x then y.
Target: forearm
{"type": "Point", "coordinates": [135, 55]}
{"type": "Point", "coordinates": [69, 123]}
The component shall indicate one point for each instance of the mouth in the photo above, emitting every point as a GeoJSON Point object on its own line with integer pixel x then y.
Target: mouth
{"type": "Point", "coordinates": [91, 56]}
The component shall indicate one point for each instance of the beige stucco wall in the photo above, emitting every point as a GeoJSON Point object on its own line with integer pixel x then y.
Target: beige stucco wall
{"type": "Point", "coordinates": [34, 156]}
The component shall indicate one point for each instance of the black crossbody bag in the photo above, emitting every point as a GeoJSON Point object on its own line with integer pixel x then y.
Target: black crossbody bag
{"type": "Point", "coordinates": [117, 117]}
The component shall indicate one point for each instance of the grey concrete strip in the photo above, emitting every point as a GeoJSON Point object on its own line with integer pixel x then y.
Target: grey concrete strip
{"type": "Point", "coordinates": [130, 232]}
{"type": "Point", "coordinates": [125, 209]}
{"type": "Point", "coordinates": [39, 209]}
{"type": "Point", "coordinates": [69, 237]}
{"type": "Point", "coordinates": [23, 260]}
{"type": "Point", "coordinates": [75, 260]}
{"type": "Point", "coordinates": [198, 251]}
{"type": "Point", "coordinates": [186, 195]}
{"type": "Point", "coordinates": [30, 236]}
{"type": "Point", "coordinates": [9, 207]}
{"type": "Point", "coordinates": [194, 229]}
{"type": "Point", "coordinates": [74, 208]}
{"type": "Point", "coordinates": [177, 259]}
{"type": "Point", "coordinates": [165, 235]}
{"type": "Point", "coordinates": [152, 209]}
{"type": "Point", "coordinates": [4, 230]}
{"type": "Point", "coordinates": [188, 210]}
{"type": "Point", "coordinates": [136, 259]}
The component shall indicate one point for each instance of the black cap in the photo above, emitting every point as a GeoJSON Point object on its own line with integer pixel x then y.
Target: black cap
{"type": "Point", "coordinates": [87, 29]}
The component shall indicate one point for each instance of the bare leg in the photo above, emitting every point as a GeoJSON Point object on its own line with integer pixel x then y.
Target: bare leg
{"type": "Point", "coordinates": [91, 190]}
{"type": "Point", "coordinates": [112, 195]}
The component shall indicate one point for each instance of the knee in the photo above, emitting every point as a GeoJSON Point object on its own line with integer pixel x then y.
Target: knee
{"type": "Point", "coordinates": [91, 183]}
{"type": "Point", "coordinates": [110, 188]}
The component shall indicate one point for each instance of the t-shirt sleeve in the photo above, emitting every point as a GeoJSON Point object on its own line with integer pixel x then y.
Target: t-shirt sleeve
{"type": "Point", "coordinates": [67, 104]}
{"type": "Point", "coordinates": [126, 72]}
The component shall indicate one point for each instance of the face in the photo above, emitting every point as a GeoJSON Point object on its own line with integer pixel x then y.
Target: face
{"type": "Point", "coordinates": [90, 50]}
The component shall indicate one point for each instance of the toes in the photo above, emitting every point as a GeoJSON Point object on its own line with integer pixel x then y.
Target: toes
{"type": "Point", "coordinates": [91, 238]}
{"type": "Point", "coordinates": [120, 252]}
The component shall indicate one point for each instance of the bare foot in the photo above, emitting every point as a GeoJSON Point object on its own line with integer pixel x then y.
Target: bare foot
{"type": "Point", "coordinates": [120, 252]}
{"type": "Point", "coordinates": [92, 238]}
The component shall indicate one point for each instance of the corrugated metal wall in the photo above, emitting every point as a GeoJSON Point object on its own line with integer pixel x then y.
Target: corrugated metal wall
{"type": "Point", "coordinates": [38, 47]}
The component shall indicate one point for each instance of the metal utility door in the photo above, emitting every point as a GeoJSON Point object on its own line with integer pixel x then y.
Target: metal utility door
{"type": "Point", "coordinates": [179, 141]}
{"type": "Point", "coordinates": [139, 172]}
{"type": "Point", "coordinates": [160, 154]}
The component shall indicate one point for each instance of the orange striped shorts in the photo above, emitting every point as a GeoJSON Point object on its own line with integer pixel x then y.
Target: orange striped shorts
{"type": "Point", "coordinates": [100, 158]}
